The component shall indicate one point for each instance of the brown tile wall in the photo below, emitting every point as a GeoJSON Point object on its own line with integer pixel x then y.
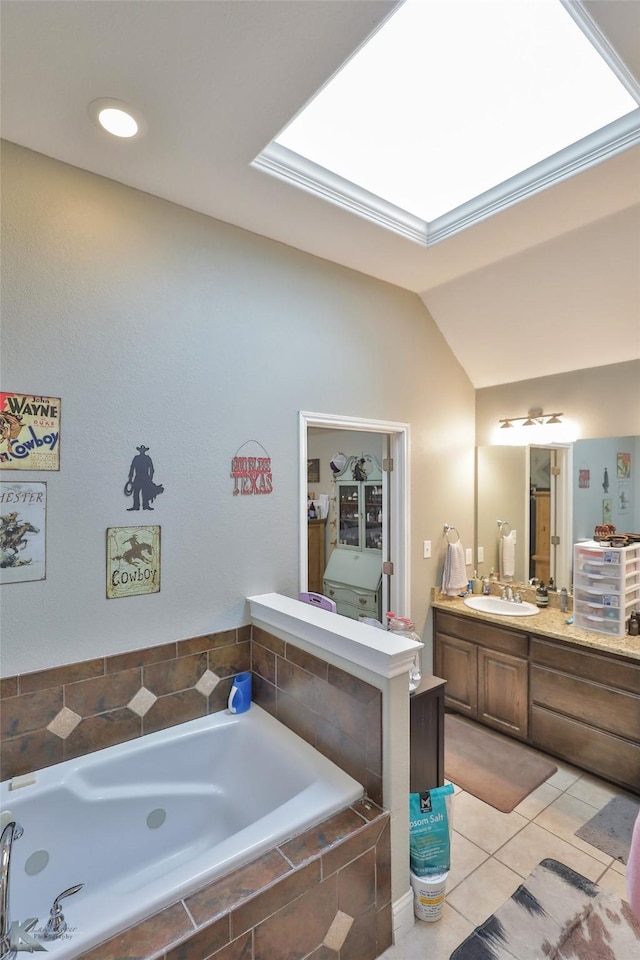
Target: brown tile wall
{"type": "Point", "coordinates": [338, 714]}
{"type": "Point", "coordinates": [99, 691]}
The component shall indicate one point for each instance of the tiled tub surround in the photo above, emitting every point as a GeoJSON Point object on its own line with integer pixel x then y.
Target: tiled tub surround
{"type": "Point", "coordinates": [324, 895]}
{"type": "Point", "coordinates": [329, 890]}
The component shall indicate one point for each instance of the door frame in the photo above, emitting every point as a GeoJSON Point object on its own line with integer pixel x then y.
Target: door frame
{"type": "Point", "coordinates": [397, 544]}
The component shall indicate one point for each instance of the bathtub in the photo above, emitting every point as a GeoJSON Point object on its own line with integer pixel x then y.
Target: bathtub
{"type": "Point", "coordinates": [147, 822]}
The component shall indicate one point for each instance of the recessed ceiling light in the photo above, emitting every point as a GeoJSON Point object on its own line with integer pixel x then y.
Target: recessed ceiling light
{"type": "Point", "coordinates": [116, 118]}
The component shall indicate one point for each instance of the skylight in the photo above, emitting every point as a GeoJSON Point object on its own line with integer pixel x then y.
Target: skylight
{"type": "Point", "coordinates": [452, 99]}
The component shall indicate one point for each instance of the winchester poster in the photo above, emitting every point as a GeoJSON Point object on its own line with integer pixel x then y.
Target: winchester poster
{"type": "Point", "coordinates": [133, 561]}
{"type": "Point", "coordinates": [29, 432]}
{"type": "Point", "coordinates": [23, 513]}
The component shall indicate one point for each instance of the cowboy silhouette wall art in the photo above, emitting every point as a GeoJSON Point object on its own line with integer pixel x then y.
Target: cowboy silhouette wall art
{"type": "Point", "coordinates": [140, 481]}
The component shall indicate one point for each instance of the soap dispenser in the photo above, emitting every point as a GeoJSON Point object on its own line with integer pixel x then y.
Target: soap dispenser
{"type": "Point", "coordinates": [634, 624]}
{"type": "Point", "coordinates": [542, 595]}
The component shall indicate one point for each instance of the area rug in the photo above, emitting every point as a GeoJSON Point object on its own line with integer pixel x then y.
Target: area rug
{"type": "Point", "coordinates": [492, 768]}
{"type": "Point", "coordinates": [556, 913]}
{"type": "Point", "coordinates": [611, 828]}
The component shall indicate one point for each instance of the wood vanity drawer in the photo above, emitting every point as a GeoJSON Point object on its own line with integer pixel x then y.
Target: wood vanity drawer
{"type": "Point", "coordinates": [608, 709]}
{"type": "Point", "coordinates": [590, 666]}
{"type": "Point", "coordinates": [601, 753]}
{"type": "Point", "coordinates": [486, 634]}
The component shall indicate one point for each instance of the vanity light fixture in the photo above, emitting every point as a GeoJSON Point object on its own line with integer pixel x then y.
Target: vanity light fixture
{"type": "Point", "coordinates": [535, 418]}
{"type": "Point", "coordinates": [116, 117]}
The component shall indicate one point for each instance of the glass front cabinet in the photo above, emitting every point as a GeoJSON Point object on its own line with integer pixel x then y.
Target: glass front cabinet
{"type": "Point", "coordinates": [359, 507]}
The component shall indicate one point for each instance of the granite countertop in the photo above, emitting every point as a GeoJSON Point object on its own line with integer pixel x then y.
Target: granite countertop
{"type": "Point", "coordinates": [548, 623]}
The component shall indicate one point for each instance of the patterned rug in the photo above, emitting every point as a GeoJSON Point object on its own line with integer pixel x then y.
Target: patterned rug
{"type": "Point", "coordinates": [556, 914]}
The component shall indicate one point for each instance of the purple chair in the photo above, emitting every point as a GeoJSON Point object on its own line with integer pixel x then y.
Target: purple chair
{"type": "Point", "coordinates": [317, 600]}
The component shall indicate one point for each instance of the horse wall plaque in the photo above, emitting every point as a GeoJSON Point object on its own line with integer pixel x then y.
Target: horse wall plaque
{"type": "Point", "coordinates": [133, 561]}
{"type": "Point", "coordinates": [23, 513]}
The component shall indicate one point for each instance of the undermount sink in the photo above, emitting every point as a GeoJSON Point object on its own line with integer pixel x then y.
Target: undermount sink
{"type": "Point", "coordinates": [504, 608]}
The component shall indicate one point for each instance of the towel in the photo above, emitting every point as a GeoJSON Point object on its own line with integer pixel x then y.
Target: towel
{"type": "Point", "coordinates": [454, 576]}
{"type": "Point", "coordinates": [507, 556]}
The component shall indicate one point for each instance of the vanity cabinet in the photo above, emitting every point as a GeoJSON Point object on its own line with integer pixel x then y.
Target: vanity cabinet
{"type": "Point", "coordinates": [486, 670]}
{"type": "Point", "coordinates": [426, 735]}
{"type": "Point", "coordinates": [580, 705]}
{"type": "Point", "coordinates": [586, 709]}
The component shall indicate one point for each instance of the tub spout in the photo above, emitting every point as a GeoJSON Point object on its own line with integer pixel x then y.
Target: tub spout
{"type": "Point", "coordinates": [12, 831]}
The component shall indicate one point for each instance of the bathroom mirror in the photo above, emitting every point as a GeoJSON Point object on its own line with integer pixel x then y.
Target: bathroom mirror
{"type": "Point", "coordinates": [601, 484]}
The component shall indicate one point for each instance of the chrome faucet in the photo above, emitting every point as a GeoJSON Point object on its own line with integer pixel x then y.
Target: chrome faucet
{"type": "Point", "coordinates": [507, 593]}
{"type": "Point", "coordinates": [12, 831]}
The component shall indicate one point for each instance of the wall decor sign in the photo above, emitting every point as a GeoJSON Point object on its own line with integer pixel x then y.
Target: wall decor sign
{"type": "Point", "coordinates": [29, 432]}
{"type": "Point", "coordinates": [140, 482]}
{"type": "Point", "coordinates": [623, 461]}
{"type": "Point", "coordinates": [251, 474]}
{"type": "Point", "coordinates": [607, 510]}
{"type": "Point", "coordinates": [583, 479]}
{"type": "Point", "coordinates": [23, 515]}
{"type": "Point", "coordinates": [133, 561]}
{"type": "Point", "coordinates": [624, 495]}
{"type": "Point", "coordinates": [313, 471]}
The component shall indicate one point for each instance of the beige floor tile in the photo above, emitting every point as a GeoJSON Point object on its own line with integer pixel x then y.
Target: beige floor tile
{"type": "Point", "coordinates": [564, 776]}
{"type": "Point", "coordinates": [535, 803]}
{"type": "Point", "coordinates": [525, 851]}
{"type": "Point", "coordinates": [592, 791]}
{"type": "Point", "coordinates": [485, 826]}
{"type": "Point", "coordinates": [480, 895]}
{"type": "Point", "coordinates": [619, 867]}
{"type": "Point", "coordinates": [614, 882]}
{"type": "Point", "coordinates": [566, 815]}
{"type": "Point", "coordinates": [465, 857]}
{"type": "Point", "coordinates": [434, 940]}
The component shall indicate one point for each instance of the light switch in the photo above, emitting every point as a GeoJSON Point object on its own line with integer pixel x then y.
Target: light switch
{"type": "Point", "coordinates": [480, 554]}
{"type": "Point", "coordinates": [426, 549]}
{"type": "Point", "coordinates": [468, 555]}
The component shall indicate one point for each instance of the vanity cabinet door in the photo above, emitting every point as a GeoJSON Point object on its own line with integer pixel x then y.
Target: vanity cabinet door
{"type": "Point", "coordinates": [503, 692]}
{"type": "Point", "coordinates": [457, 661]}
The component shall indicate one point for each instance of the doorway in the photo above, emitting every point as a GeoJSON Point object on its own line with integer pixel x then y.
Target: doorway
{"type": "Point", "coordinates": [549, 548]}
{"type": "Point", "coordinates": [394, 438]}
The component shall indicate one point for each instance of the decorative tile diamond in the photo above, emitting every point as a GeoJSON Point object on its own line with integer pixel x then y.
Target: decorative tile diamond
{"type": "Point", "coordinates": [64, 723]}
{"type": "Point", "coordinates": [142, 702]}
{"type": "Point", "coordinates": [337, 932]}
{"type": "Point", "coordinates": [207, 682]}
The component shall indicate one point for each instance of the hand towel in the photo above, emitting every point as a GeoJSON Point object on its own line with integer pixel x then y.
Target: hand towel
{"type": "Point", "coordinates": [454, 576]}
{"type": "Point", "coordinates": [507, 556]}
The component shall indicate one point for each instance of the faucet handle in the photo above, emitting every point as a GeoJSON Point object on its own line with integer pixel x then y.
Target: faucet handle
{"type": "Point", "coordinates": [56, 924]}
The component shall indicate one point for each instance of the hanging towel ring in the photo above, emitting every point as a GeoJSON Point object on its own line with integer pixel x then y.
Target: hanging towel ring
{"type": "Point", "coordinates": [448, 528]}
{"type": "Point", "coordinates": [502, 524]}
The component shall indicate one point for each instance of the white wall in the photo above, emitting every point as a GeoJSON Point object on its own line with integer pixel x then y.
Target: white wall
{"type": "Point", "coordinates": [159, 326]}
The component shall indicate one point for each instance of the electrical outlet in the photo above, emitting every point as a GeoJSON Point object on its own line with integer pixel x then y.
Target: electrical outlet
{"type": "Point", "coordinates": [426, 549]}
{"type": "Point", "coordinates": [468, 555]}
{"type": "Point", "coordinates": [480, 554]}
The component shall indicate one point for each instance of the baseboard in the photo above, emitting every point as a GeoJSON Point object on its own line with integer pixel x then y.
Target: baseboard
{"type": "Point", "coordinates": [403, 916]}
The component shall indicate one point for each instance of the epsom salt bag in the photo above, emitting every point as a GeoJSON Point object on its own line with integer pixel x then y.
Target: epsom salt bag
{"type": "Point", "coordinates": [430, 831]}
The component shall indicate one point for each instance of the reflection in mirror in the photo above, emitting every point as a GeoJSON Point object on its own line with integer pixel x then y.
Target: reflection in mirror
{"type": "Point", "coordinates": [516, 484]}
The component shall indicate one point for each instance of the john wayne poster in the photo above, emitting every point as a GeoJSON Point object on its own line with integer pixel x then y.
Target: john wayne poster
{"type": "Point", "coordinates": [133, 561]}
{"type": "Point", "coordinates": [29, 432]}
{"type": "Point", "coordinates": [23, 511]}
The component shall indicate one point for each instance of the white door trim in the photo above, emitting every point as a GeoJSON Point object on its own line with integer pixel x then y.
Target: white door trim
{"type": "Point", "coordinates": [399, 505]}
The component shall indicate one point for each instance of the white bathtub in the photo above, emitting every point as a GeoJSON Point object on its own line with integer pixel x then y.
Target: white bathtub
{"type": "Point", "coordinates": [144, 823]}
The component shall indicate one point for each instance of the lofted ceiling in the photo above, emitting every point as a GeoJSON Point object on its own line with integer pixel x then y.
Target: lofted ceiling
{"type": "Point", "coordinates": [549, 285]}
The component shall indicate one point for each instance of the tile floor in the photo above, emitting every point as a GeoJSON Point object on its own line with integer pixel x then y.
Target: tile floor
{"type": "Point", "coordinates": [492, 852]}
